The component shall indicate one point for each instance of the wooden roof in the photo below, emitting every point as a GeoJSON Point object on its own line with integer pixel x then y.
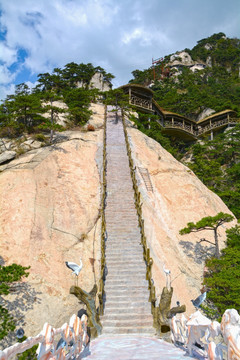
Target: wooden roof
{"type": "Point", "coordinates": [216, 115]}
{"type": "Point", "coordinates": [137, 86]}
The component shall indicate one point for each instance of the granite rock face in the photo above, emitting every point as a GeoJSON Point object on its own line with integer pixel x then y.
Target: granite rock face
{"type": "Point", "coordinates": [178, 197]}
{"type": "Point", "coordinates": [50, 200]}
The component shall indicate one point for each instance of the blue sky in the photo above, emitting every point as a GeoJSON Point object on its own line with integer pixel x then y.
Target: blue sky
{"type": "Point", "coordinates": [120, 35]}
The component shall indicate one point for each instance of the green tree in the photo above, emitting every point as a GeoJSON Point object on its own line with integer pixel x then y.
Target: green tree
{"type": "Point", "coordinates": [222, 276]}
{"type": "Point", "coordinates": [48, 97]}
{"type": "Point", "coordinates": [26, 106]}
{"type": "Point", "coordinates": [8, 276]}
{"type": "Point", "coordinates": [209, 223]}
{"type": "Point", "coordinates": [78, 101]}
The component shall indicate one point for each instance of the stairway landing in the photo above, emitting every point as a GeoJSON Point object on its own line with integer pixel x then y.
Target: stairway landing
{"type": "Point", "coordinates": [132, 347]}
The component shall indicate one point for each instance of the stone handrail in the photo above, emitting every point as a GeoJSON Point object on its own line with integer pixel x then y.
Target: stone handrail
{"type": "Point", "coordinates": [74, 339]}
{"type": "Point", "coordinates": [214, 341]}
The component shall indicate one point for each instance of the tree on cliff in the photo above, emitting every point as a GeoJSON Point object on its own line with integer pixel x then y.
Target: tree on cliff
{"type": "Point", "coordinates": [117, 98]}
{"type": "Point", "coordinates": [8, 275]}
{"type": "Point", "coordinates": [222, 275]}
{"type": "Point", "coordinates": [209, 223]}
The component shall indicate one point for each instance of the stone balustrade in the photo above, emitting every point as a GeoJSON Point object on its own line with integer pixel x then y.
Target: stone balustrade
{"type": "Point", "coordinates": [208, 338]}
{"type": "Point", "coordinates": [72, 338]}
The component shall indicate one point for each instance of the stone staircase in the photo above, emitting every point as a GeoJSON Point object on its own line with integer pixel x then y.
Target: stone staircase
{"type": "Point", "coordinates": [127, 310]}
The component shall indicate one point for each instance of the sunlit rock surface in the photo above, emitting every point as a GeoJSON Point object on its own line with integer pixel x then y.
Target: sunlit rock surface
{"type": "Point", "coordinates": [50, 200]}
{"type": "Point", "coordinates": [178, 197]}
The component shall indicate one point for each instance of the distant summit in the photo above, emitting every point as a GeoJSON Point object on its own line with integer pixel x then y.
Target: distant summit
{"type": "Point", "coordinates": [192, 80]}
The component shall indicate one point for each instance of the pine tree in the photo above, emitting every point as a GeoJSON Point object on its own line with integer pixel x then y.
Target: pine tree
{"type": "Point", "coordinates": [209, 223]}
{"type": "Point", "coordinates": [223, 274]}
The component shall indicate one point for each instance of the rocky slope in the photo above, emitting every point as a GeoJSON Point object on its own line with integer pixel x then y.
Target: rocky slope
{"type": "Point", "coordinates": [49, 199]}
{"type": "Point", "coordinates": [178, 197]}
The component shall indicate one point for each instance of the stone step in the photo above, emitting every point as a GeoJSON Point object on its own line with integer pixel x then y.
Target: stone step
{"type": "Point", "coordinates": [141, 274]}
{"type": "Point", "coordinates": [129, 330]}
{"type": "Point", "coordinates": [127, 287]}
{"type": "Point", "coordinates": [129, 261]}
{"type": "Point", "coordinates": [126, 271]}
{"type": "Point", "coordinates": [122, 284]}
{"type": "Point", "coordinates": [130, 301]}
{"type": "Point", "coordinates": [130, 250]}
{"type": "Point", "coordinates": [125, 317]}
{"type": "Point", "coordinates": [123, 249]}
{"type": "Point", "coordinates": [121, 309]}
{"type": "Point", "coordinates": [116, 298]}
{"type": "Point", "coordinates": [121, 266]}
{"type": "Point", "coordinates": [127, 322]}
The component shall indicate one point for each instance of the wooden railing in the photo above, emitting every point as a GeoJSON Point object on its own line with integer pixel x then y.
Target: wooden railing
{"type": "Point", "coordinates": [206, 338]}
{"type": "Point", "coordinates": [101, 292]}
{"type": "Point", "coordinates": [137, 101]}
{"type": "Point", "coordinates": [216, 124]}
{"type": "Point", "coordinates": [178, 124]}
{"type": "Point", "coordinates": [72, 341]}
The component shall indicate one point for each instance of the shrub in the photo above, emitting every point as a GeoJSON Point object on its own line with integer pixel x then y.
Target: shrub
{"type": "Point", "coordinates": [40, 137]}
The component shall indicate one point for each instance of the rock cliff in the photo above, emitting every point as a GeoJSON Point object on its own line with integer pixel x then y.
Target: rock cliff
{"type": "Point", "coordinates": [178, 197]}
{"type": "Point", "coordinates": [50, 199]}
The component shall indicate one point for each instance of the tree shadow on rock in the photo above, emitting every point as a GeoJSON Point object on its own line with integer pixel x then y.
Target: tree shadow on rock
{"type": "Point", "coordinates": [22, 298]}
{"type": "Point", "coordinates": [197, 252]}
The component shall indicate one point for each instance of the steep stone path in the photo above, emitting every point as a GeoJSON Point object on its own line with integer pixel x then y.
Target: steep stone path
{"type": "Point", "coordinates": [127, 309]}
{"type": "Point", "coordinates": [127, 321]}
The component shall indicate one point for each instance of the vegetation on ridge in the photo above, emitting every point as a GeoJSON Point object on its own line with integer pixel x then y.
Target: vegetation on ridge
{"type": "Point", "coordinates": [217, 86]}
{"type": "Point", "coordinates": [23, 111]}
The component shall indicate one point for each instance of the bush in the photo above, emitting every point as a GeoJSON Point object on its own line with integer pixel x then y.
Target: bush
{"type": "Point", "coordinates": [40, 137]}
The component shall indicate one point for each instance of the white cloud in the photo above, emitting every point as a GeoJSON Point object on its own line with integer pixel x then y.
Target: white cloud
{"type": "Point", "coordinates": [123, 35]}
{"type": "Point", "coordinates": [6, 90]}
{"type": "Point", "coordinates": [8, 55]}
{"type": "Point", "coordinates": [5, 75]}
